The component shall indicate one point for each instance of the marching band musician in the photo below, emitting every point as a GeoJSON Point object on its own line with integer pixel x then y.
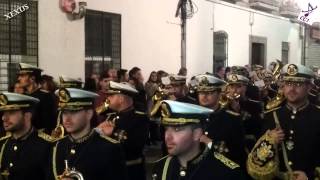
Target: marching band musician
{"type": "Point", "coordinates": [128, 126]}
{"type": "Point", "coordinates": [224, 127]}
{"type": "Point", "coordinates": [89, 154]}
{"type": "Point", "coordinates": [188, 158]}
{"type": "Point", "coordinates": [289, 148]}
{"type": "Point", "coordinates": [24, 151]}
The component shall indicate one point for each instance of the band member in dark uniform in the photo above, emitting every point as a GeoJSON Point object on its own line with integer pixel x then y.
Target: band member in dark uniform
{"type": "Point", "coordinates": [224, 127]}
{"type": "Point", "coordinates": [128, 126]}
{"type": "Point", "coordinates": [188, 158]}
{"type": "Point", "coordinates": [90, 154]}
{"type": "Point", "coordinates": [250, 110]}
{"type": "Point", "coordinates": [177, 88]}
{"type": "Point", "coordinates": [45, 113]}
{"type": "Point", "coordinates": [24, 151]}
{"type": "Point", "coordinates": [290, 146]}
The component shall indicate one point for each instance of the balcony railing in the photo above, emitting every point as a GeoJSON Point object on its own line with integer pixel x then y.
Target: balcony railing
{"type": "Point", "coordinates": [289, 9]}
{"type": "Point", "coordinates": [265, 5]}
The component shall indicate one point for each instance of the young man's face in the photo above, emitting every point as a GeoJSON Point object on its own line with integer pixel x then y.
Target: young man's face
{"type": "Point", "coordinates": [24, 80]}
{"type": "Point", "coordinates": [76, 121]}
{"type": "Point", "coordinates": [208, 99]}
{"type": "Point", "coordinates": [179, 139]}
{"type": "Point", "coordinates": [295, 92]}
{"type": "Point", "coordinates": [104, 83]}
{"type": "Point", "coordinates": [138, 76]}
{"type": "Point", "coordinates": [13, 120]}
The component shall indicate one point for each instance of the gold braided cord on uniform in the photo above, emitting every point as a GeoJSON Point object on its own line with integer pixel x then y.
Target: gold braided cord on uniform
{"type": "Point", "coordinates": [13, 107]}
{"type": "Point", "coordinates": [284, 152]}
{"type": "Point", "coordinates": [165, 168]}
{"type": "Point", "coordinates": [54, 154]}
{"type": "Point", "coordinates": [317, 173]}
{"type": "Point", "coordinates": [295, 79]}
{"type": "Point", "coordinates": [178, 121]}
{"type": "Point", "coordinates": [72, 105]}
{"type": "Point", "coordinates": [1, 152]}
{"type": "Point", "coordinates": [263, 161]}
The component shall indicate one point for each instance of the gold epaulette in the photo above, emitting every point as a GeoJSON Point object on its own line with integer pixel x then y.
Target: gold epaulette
{"type": "Point", "coordinates": [140, 112]}
{"type": "Point", "coordinates": [47, 137]}
{"type": "Point", "coordinates": [233, 113]}
{"type": "Point", "coordinates": [110, 139]}
{"type": "Point", "coordinates": [8, 135]}
{"type": "Point", "coordinates": [262, 161]}
{"type": "Point", "coordinates": [270, 110]}
{"type": "Point", "coordinates": [226, 161]}
{"type": "Point", "coordinates": [164, 157]}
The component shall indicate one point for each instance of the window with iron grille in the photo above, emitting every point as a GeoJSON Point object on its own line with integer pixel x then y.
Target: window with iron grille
{"type": "Point", "coordinates": [220, 57]}
{"type": "Point", "coordinates": [102, 42]}
{"type": "Point", "coordinates": [18, 39]}
{"type": "Point", "coordinates": [285, 53]}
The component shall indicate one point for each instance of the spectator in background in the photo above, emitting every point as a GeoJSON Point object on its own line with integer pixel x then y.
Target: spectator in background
{"type": "Point", "coordinates": [161, 74]}
{"type": "Point", "coordinates": [136, 79]}
{"type": "Point", "coordinates": [220, 72]}
{"type": "Point", "coordinates": [151, 87]}
{"type": "Point", "coordinates": [47, 83]}
{"type": "Point", "coordinates": [102, 92]}
{"type": "Point", "coordinates": [227, 72]}
{"type": "Point", "coordinates": [90, 85]}
{"type": "Point", "coordinates": [183, 71]}
{"type": "Point", "coordinates": [123, 75]}
{"type": "Point", "coordinates": [113, 74]}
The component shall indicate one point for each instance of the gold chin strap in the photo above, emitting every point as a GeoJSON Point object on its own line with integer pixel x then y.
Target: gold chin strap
{"type": "Point", "coordinates": [284, 152]}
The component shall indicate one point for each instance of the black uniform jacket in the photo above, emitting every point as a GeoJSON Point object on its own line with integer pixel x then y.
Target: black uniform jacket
{"type": "Point", "coordinates": [45, 113]}
{"type": "Point", "coordinates": [226, 130]}
{"type": "Point", "coordinates": [302, 136]}
{"type": "Point", "coordinates": [208, 165]}
{"type": "Point", "coordinates": [94, 156]}
{"type": "Point", "coordinates": [26, 157]}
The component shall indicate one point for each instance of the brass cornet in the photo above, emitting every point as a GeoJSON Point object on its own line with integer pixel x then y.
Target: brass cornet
{"type": "Point", "coordinates": [103, 107]}
{"type": "Point", "coordinates": [226, 98]}
{"type": "Point", "coordinates": [70, 173]}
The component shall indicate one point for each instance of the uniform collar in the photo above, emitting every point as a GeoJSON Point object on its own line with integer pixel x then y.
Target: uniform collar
{"type": "Point", "coordinates": [82, 139]}
{"type": "Point", "coordinates": [299, 108]}
{"type": "Point", "coordinates": [25, 136]}
{"type": "Point", "coordinates": [200, 156]}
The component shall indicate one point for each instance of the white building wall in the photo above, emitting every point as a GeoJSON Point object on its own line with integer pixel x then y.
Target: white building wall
{"type": "Point", "coordinates": [151, 36]}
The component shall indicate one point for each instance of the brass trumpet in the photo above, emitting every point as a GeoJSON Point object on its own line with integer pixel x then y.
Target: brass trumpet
{"type": "Point", "coordinates": [226, 98]}
{"type": "Point", "coordinates": [276, 101]}
{"type": "Point", "coordinates": [103, 107]}
{"type": "Point", "coordinates": [70, 173]}
{"type": "Point", "coordinates": [58, 132]}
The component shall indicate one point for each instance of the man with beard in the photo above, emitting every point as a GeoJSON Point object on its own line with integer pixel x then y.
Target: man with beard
{"type": "Point", "coordinates": [128, 126]}
{"type": "Point", "coordinates": [83, 149]}
{"type": "Point", "coordinates": [188, 158]}
{"type": "Point", "coordinates": [177, 89]}
{"type": "Point", "coordinates": [45, 113]}
{"type": "Point", "coordinates": [224, 126]}
{"type": "Point", "coordinates": [290, 147]}
{"type": "Point", "coordinates": [25, 151]}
